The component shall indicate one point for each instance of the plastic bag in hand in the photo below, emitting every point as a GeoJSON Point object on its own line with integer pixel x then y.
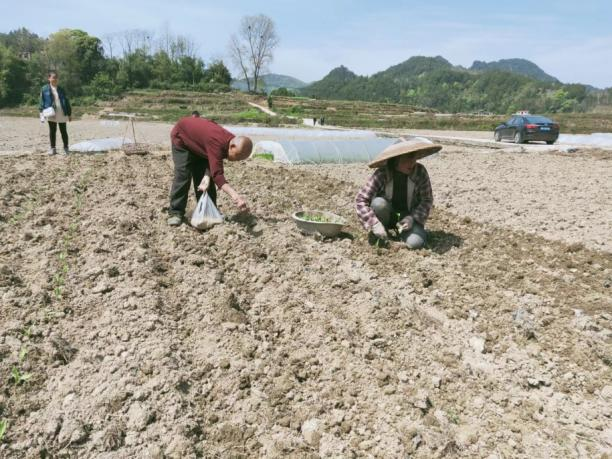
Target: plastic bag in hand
{"type": "Point", "coordinates": [48, 112]}
{"type": "Point", "coordinates": [205, 214]}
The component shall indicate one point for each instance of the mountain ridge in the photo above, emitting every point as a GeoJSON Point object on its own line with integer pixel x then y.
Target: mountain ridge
{"type": "Point", "coordinates": [271, 81]}
{"type": "Point", "coordinates": [516, 65]}
{"type": "Point", "coordinates": [433, 82]}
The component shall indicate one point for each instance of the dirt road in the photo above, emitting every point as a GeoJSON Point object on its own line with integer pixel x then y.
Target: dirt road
{"type": "Point", "coordinates": [29, 135]}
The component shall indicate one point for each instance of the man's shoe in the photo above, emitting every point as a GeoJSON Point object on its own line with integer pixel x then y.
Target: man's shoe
{"type": "Point", "coordinates": [175, 220]}
{"type": "Point", "coordinates": [66, 150]}
{"type": "Point", "coordinates": [52, 151]}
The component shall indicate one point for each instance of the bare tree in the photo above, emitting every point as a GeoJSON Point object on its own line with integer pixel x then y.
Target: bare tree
{"type": "Point", "coordinates": [165, 38]}
{"type": "Point", "coordinates": [252, 49]}
{"type": "Point", "coordinates": [238, 54]}
{"type": "Point", "coordinates": [132, 40]}
{"type": "Point", "coordinates": [176, 46]}
{"type": "Point", "coordinates": [183, 46]}
{"type": "Point", "coordinates": [109, 40]}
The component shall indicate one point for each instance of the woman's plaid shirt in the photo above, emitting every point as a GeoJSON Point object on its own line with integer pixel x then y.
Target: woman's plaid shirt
{"type": "Point", "coordinates": [375, 186]}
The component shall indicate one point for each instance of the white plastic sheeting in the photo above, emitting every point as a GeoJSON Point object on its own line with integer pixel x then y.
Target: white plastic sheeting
{"type": "Point", "coordinates": [596, 139]}
{"type": "Point", "coordinates": [97, 145]}
{"type": "Point", "coordinates": [281, 133]}
{"type": "Point", "coordinates": [323, 151]}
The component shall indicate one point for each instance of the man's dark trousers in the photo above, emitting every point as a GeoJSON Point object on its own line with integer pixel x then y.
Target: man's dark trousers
{"type": "Point", "coordinates": [187, 166]}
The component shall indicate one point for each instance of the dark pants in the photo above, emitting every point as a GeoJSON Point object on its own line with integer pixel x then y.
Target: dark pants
{"type": "Point", "coordinates": [53, 133]}
{"type": "Point", "coordinates": [415, 238]}
{"type": "Point", "coordinates": [187, 167]}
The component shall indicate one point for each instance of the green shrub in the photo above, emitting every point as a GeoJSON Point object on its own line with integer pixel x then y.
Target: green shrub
{"type": "Point", "coordinates": [282, 92]}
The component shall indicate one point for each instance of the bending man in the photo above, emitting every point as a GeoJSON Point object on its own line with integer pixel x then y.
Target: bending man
{"type": "Point", "coordinates": [199, 144]}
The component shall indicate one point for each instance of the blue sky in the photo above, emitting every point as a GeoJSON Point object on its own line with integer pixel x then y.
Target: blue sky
{"type": "Point", "coordinates": [568, 39]}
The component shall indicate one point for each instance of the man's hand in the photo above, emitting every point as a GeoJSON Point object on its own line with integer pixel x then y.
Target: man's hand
{"type": "Point", "coordinates": [379, 231]}
{"type": "Point", "coordinates": [204, 183]}
{"type": "Point", "coordinates": [405, 224]}
{"type": "Point", "coordinates": [241, 204]}
{"type": "Point", "coordinates": [238, 201]}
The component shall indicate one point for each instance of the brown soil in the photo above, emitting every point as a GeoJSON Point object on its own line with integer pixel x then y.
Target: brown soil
{"type": "Point", "coordinates": [254, 340]}
{"type": "Point", "coordinates": [560, 196]}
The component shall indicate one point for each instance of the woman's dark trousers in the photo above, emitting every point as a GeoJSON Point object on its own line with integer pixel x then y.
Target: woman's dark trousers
{"type": "Point", "coordinates": [53, 133]}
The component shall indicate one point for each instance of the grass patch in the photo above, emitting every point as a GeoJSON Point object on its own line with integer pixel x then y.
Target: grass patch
{"type": "Point", "coordinates": [378, 115]}
{"type": "Point", "coordinates": [265, 156]}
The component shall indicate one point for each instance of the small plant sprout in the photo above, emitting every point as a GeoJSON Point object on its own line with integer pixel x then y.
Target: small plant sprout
{"type": "Point", "coordinates": [452, 416]}
{"type": "Point", "coordinates": [27, 332]}
{"type": "Point", "coordinates": [398, 225]}
{"type": "Point", "coordinates": [58, 284]}
{"type": "Point", "coordinates": [19, 377]}
{"type": "Point", "coordinates": [23, 353]}
{"type": "Point", "coordinates": [3, 428]}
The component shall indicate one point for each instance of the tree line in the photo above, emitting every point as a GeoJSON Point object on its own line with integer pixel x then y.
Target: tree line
{"type": "Point", "coordinates": [132, 59]}
{"type": "Point", "coordinates": [99, 67]}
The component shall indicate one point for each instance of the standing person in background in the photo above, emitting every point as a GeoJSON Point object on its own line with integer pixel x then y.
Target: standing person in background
{"type": "Point", "coordinates": [54, 97]}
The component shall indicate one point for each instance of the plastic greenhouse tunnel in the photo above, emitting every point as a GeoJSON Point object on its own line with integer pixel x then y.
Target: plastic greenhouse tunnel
{"type": "Point", "coordinates": [322, 151]}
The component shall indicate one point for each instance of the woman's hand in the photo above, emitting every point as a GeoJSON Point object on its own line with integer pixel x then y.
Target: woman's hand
{"type": "Point", "coordinates": [405, 224]}
{"type": "Point", "coordinates": [379, 231]}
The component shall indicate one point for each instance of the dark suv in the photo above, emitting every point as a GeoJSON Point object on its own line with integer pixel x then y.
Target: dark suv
{"type": "Point", "coordinates": [523, 128]}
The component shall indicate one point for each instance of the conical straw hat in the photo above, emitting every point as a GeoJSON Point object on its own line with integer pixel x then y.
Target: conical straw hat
{"type": "Point", "coordinates": [417, 147]}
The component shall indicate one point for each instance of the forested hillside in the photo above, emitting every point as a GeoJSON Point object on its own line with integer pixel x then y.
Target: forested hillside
{"type": "Point", "coordinates": [435, 83]}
